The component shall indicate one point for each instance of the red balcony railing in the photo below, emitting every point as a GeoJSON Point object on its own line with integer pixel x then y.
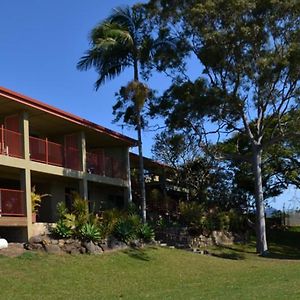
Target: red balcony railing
{"type": "Point", "coordinates": [95, 163]}
{"type": "Point", "coordinates": [12, 203]}
{"type": "Point", "coordinates": [72, 160]}
{"type": "Point", "coordinates": [44, 151]}
{"type": "Point", "coordinates": [11, 143]}
{"type": "Point", "coordinates": [104, 165]}
{"type": "Point", "coordinates": [41, 150]}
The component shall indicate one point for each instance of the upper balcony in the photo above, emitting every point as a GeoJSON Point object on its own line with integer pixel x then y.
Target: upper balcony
{"type": "Point", "coordinates": [66, 155]}
{"type": "Point", "coordinates": [58, 138]}
{"type": "Point", "coordinates": [47, 152]}
{"type": "Point", "coordinates": [99, 163]}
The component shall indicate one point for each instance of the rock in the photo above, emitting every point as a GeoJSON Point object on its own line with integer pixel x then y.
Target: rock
{"type": "Point", "coordinates": [61, 242]}
{"type": "Point", "coordinates": [3, 244]}
{"type": "Point", "coordinates": [69, 241]}
{"type": "Point", "coordinates": [136, 244]}
{"type": "Point", "coordinates": [72, 249]}
{"type": "Point", "coordinates": [82, 250]}
{"type": "Point", "coordinates": [92, 248]}
{"type": "Point", "coordinates": [113, 243]}
{"type": "Point", "coordinates": [89, 246]}
{"type": "Point", "coordinates": [222, 238]}
{"type": "Point", "coordinates": [46, 240]}
{"type": "Point", "coordinates": [53, 249]}
{"type": "Point", "coordinates": [37, 239]}
{"type": "Point", "coordinates": [54, 242]}
{"type": "Point", "coordinates": [105, 247]}
{"type": "Point", "coordinates": [98, 250]}
{"type": "Point", "coordinates": [27, 246]}
{"type": "Point", "coordinates": [38, 247]}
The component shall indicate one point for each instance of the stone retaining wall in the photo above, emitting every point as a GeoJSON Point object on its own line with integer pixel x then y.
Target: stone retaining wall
{"type": "Point", "coordinates": [181, 238]}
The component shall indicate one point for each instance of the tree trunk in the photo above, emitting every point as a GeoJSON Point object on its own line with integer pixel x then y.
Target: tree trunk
{"type": "Point", "coordinates": [261, 240]}
{"type": "Point", "coordinates": [141, 168]}
{"type": "Point", "coordinates": [140, 148]}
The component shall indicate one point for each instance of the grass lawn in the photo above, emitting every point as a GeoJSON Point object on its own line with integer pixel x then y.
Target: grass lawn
{"type": "Point", "coordinates": [157, 273]}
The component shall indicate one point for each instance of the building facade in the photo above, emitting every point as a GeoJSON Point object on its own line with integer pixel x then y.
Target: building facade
{"type": "Point", "coordinates": [57, 153]}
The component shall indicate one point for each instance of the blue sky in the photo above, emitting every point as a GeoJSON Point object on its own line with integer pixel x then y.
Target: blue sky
{"type": "Point", "coordinates": [41, 43]}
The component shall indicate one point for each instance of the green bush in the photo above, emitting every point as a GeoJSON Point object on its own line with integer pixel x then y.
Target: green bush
{"type": "Point", "coordinates": [125, 231]}
{"type": "Point", "coordinates": [125, 225]}
{"type": "Point", "coordinates": [223, 221]}
{"type": "Point", "coordinates": [191, 213]}
{"type": "Point", "coordinates": [61, 230]}
{"type": "Point", "coordinates": [108, 221]}
{"type": "Point", "coordinates": [238, 222]}
{"type": "Point", "coordinates": [89, 232]}
{"type": "Point", "coordinates": [146, 233]}
{"type": "Point", "coordinates": [81, 210]}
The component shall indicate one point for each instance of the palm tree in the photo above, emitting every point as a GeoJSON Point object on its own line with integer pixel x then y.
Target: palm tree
{"type": "Point", "coordinates": [118, 43]}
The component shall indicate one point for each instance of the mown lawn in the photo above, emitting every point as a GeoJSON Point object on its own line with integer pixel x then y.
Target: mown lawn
{"type": "Point", "coordinates": [154, 273]}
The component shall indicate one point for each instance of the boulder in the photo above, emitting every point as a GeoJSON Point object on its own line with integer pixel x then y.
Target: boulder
{"type": "Point", "coordinates": [72, 249]}
{"type": "Point", "coordinates": [92, 248]}
{"type": "Point", "coordinates": [113, 243]}
{"type": "Point", "coordinates": [37, 239]}
{"type": "Point", "coordinates": [53, 249]}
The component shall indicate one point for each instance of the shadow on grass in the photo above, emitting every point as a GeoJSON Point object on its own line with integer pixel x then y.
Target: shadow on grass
{"type": "Point", "coordinates": [137, 253]}
{"type": "Point", "coordinates": [284, 244]}
{"type": "Point", "coordinates": [232, 255]}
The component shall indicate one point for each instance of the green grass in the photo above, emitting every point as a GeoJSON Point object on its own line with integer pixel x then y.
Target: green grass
{"type": "Point", "coordinates": [157, 273]}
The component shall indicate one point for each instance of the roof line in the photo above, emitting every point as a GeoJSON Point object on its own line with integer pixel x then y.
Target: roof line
{"type": "Point", "coordinates": [63, 114]}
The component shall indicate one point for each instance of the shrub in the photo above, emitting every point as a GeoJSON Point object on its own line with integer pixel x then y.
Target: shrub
{"type": "Point", "coordinates": [61, 230]}
{"type": "Point", "coordinates": [224, 221]}
{"type": "Point", "coordinates": [81, 210]}
{"type": "Point", "coordinates": [191, 213]}
{"type": "Point", "coordinates": [238, 222]}
{"type": "Point", "coordinates": [125, 231]}
{"type": "Point", "coordinates": [145, 233]}
{"type": "Point", "coordinates": [108, 221]}
{"type": "Point", "coordinates": [89, 232]}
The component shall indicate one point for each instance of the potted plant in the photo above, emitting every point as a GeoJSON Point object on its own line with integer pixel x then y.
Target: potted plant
{"type": "Point", "coordinates": [36, 200]}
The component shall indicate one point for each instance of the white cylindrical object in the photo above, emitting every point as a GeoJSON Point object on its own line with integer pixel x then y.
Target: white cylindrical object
{"type": "Point", "coordinates": [3, 244]}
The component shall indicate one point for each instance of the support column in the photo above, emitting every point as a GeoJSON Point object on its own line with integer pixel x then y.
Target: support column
{"type": "Point", "coordinates": [83, 189]}
{"type": "Point", "coordinates": [25, 173]}
{"type": "Point", "coordinates": [128, 192]}
{"type": "Point", "coordinates": [25, 132]}
{"type": "Point", "coordinates": [82, 145]}
{"type": "Point", "coordinates": [26, 187]}
{"type": "Point", "coordinates": [83, 186]}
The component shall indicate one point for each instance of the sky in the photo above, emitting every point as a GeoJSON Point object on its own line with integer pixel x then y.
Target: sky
{"type": "Point", "coordinates": [41, 43]}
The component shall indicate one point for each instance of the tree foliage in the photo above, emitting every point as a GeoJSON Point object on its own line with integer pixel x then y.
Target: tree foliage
{"type": "Point", "coordinates": [248, 83]}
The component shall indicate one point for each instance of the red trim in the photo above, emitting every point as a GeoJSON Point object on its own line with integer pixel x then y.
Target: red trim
{"type": "Point", "coordinates": [64, 115]}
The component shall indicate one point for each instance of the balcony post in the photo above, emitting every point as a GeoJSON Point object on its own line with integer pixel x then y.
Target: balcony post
{"type": "Point", "coordinates": [2, 139]}
{"type": "Point", "coordinates": [128, 192]}
{"type": "Point", "coordinates": [47, 151]}
{"type": "Point", "coordinates": [25, 134]}
{"type": "Point", "coordinates": [82, 147]}
{"type": "Point", "coordinates": [26, 187]}
{"type": "Point", "coordinates": [83, 183]}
